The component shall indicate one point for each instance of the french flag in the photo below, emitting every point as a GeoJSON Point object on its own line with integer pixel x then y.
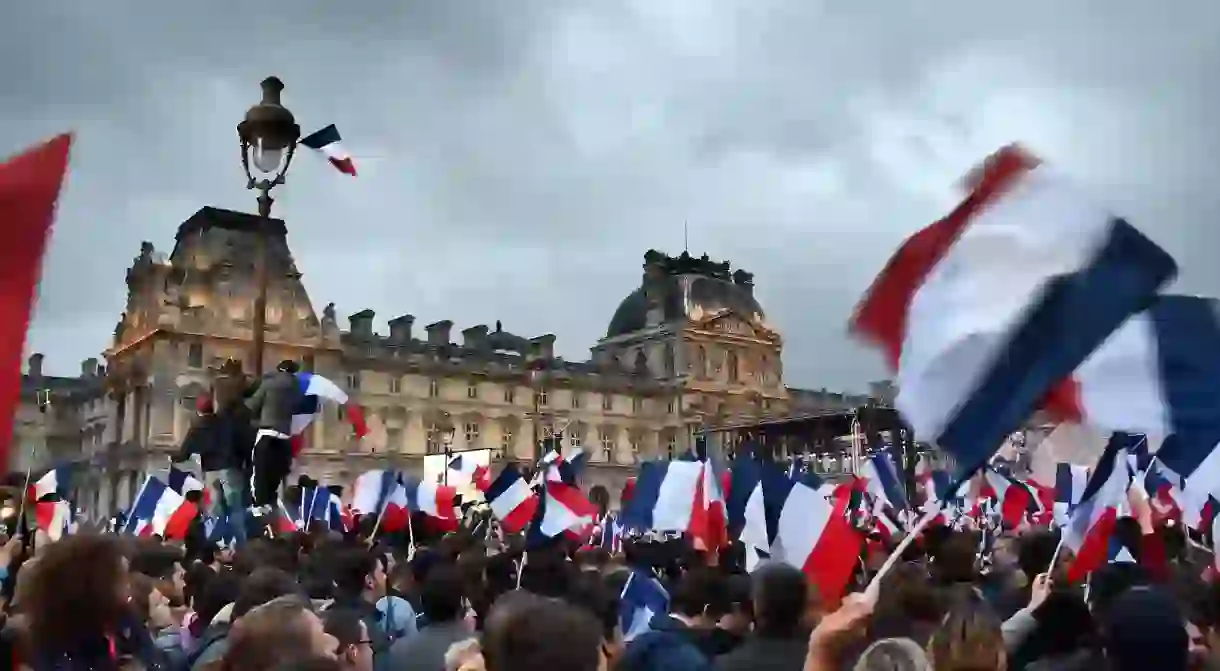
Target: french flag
{"type": "Point", "coordinates": [985, 313]}
{"type": "Point", "coordinates": [478, 474]}
{"type": "Point", "coordinates": [565, 466]}
{"type": "Point", "coordinates": [1013, 498]}
{"type": "Point", "coordinates": [315, 389]}
{"type": "Point", "coordinates": [184, 483]}
{"type": "Point", "coordinates": [562, 509]}
{"type": "Point", "coordinates": [882, 481]}
{"type": "Point", "coordinates": [708, 527]}
{"type": "Point", "coordinates": [285, 520]}
{"type": "Point", "coordinates": [327, 142]}
{"type": "Point", "coordinates": [812, 533]}
{"type": "Point", "coordinates": [1092, 522]}
{"type": "Point", "coordinates": [56, 481]}
{"type": "Point", "coordinates": [1160, 375]}
{"type": "Point", "coordinates": [167, 512]}
{"type": "Point", "coordinates": [664, 496]}
{"type": "Point", "coordinates": [53, 517]}
{"type": "Point", "coordinates": [435, 501]}
{"type": "Point", "coordinates": [511, 499]}
{"type": "Point", "coordinates": [1070, 482]}
{"type": "Point", "coordinates": [379, 494]}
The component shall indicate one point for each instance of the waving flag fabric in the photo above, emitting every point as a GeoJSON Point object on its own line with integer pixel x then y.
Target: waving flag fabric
{"type": "Point", "coordinates": [327, 142]}
{"type": "Point", "coordinates": [882, 480]}
{"type": "Point", "coordinates": [1070, 482]}
{"type": "Point", "coordinates": [436, 501]}
{"type": "Point", "coordinates": [562, 509]}
{"type": "Point", "coordinates": [184, 483]}
{"type": "Point", "coordinates": [664, 497]}
{"type": "Point", "coordinates": [986, 312]}
{"type": "Point", "coordinates": [642, 598]}
{"type": "Point", "coordinates": [511, 499]}
{"type": "Point", "coordinates": [478, 474]}
{"type": "Point", "coordinates": [166, 511]}
{"type": "Point", "coordinates": [314, 389]}
{"type": "Point", "coordinates": [29, 188]}
{"type": "Point", "coordinates": [1092, 521]}
{"type": "Point", "coordinates": [56, 481]}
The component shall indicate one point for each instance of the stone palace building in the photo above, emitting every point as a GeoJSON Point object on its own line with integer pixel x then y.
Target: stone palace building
{"type": "Point", "coordinates": [690, 347]}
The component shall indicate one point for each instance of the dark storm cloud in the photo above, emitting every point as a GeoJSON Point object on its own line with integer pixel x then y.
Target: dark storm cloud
{"type": "Point", "coordinates": [518, 158]}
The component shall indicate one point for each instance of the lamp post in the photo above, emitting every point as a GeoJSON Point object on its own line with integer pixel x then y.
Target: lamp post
{"type": "Point", "coordinates": [268, 135]}
{"type": "Point", "coordinates": [447, 441]}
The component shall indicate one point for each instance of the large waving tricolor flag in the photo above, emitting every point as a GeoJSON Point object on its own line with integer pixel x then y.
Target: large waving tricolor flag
{"type": "Point", "coordinates": [986, 312]}
{"type": "Point", "coordinates": [511, 499]}
{"type": "Point", "coordinates": [315, 389]}
{"type": "Point", "coordinates": [29, 188]}
{"type": "Point", "coordinates": [327, 142]}
{"type": "Point", "coordinates": [166, 511]}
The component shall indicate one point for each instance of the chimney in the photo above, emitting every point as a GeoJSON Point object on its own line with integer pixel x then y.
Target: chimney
{"type": "Point", "coordinates": [88, 367]}
{"type": "Point", "coordinates": [475, 337]}
{"type": "Point", "coordinates": [438, 333]}
{"type": "Point", "coordinates": [543, 346]}
{"type": "Point", "coordinates": [362, 323]}
{"type": "Point", "coordinates": [35, 365]}
{"type": "Point", "coordinates": [400, 329]}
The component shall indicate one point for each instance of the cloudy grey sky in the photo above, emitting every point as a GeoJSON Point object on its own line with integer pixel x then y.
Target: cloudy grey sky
{"type": "Point", "coordinates": [517, 158]}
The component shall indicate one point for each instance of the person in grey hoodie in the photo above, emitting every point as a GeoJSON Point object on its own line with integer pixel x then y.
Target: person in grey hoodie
{"type": "Point", "coordinates": [275, 399]}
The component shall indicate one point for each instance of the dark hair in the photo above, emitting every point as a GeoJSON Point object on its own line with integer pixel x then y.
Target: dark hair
{"type": "Point", "coordinates": [521, 635]}
{"type": "Point", "coordinates": [155, 561]}
{"type": "Point", "coordinates": [440, 597]}
{"type": "Point", "coordinates": [700, 591]}
{"type": "Point", "coordinates": [1035, 551]}
{"type": "Point", "coordinates": [221, 590]}
{"type": "Point", "coordinates": [77, 594]}
{"type": "Point", "coordinates": [345, 625]}
{"type": "Point", "coordinates": [310, 663]}
{"type": "Point", "coordinates": [589, 591]}
{"type": "Point", "coordinates": [351, 566]}
{"type": "Point", "coordinates": [288, 366]}
{"type": "Point", "coordinates": [196, 580]}
{"type": "Point", "coordinates": [780, 593]}
{"type": "Point", "coordinates": [954, 560]}
{"type": "Point", "coordinates": [1064, 624]}
{"type": "Point", "coordinates": [262, 586]}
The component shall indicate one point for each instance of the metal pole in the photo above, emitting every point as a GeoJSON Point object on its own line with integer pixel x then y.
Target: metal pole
{"type": "Point", "coordinates": [260, 274]}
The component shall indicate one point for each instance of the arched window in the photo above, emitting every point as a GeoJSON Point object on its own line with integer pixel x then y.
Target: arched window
{"type": "Point", "coordinates": [731, 363]}
{"type": "Point", "coordinates": [700, 361]}
{"type": "Point", "coordinates": [670, 364]}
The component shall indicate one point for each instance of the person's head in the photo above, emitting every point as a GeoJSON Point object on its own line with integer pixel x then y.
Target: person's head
{"type": "Point", "coordinates": [162, 563]}
{"type": "Point", "coordinates": [355, 648]}
{"type": "Point", "coordinates": [1065, 624]}
{"type": "Point", "coordinates": [262, 586]}
{"type": "Point", "coordinates": [590, 591]}
{"type": "Point", "coordinates": [521, 633]}
{"type": "Point", "coordinates": [203, 405]}
{"type": "Point", "coordinates": [1108, 583]}
{"type": "Point", "coordinates": [442, 598]}
{"type": "Point", "coordinates": [149, 604]}
{"type": "Point", "coordinates": [779, 597]}
{"type": "Point", "coordinates": [700, 596]}
{"type": "Point", "coordinates": [954, 560]}
{"type": "Point", "coordinates": [465, 656]}
{"type": "Point", "coordinates": [893, 654]}
{"type": "Point", "coordinates": [968, 639]}
{"type": "Point", "coordinates": [1145, 629]}
{"type": "Point", "coordinates": [79, 592]}
{"type": "Point", "coordinates": [358, 572]}
{"type": "Point", "coordinates": [288, 366]}
{"type": "Point", "coordinates": [1035, 550]}
{"type": "Point", "coordinates": [907, 594]}
{"type": "Point", "coordinates": [222, 590]}
{"type": "Point", "coordinates": [281, 629]}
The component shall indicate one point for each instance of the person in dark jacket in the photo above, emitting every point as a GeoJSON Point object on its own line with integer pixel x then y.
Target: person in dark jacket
{"type": "Point", "coordinates": [780, 640]}
{"type": "Point", "coordinates": [221, 438]}
{"type": "Point", "coordinates": [360, 581]}
{"type": "Point", "coordinates": [681, 639]}
{"type": "Point", "coordinates": [273, 402]}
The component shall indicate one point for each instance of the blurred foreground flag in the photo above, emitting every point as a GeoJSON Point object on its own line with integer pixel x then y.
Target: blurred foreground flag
{"type": "Point", "coordinates": [984, 314]}
{"type": "Point", "coordinates": [29, 187]}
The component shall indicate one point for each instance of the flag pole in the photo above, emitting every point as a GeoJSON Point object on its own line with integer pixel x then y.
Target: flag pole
{"type": "Point", "coordinates": [130, 517]}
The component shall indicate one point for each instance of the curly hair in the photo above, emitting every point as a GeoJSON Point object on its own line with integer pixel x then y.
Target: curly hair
{"type": "Point", "coordinates": [79, 593]}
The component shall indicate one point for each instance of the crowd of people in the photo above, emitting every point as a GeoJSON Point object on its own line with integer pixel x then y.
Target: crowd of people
{"type": "Point", "coordinates": [460, 601]}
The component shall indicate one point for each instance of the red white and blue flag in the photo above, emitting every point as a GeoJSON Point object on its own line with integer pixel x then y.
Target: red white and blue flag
{"type": "Point", "coordinates": [1091, 523]}
{"type": "Point", "coordinates": [511, 499]}
{"type": "Point", "coordinates": [314, 390]}
{"type": "Point", "coordinates": [327, 142]}
{"type": "Point", "coordinates": [986, 313]}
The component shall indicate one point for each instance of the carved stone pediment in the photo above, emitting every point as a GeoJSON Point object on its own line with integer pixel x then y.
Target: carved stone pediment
{"type": "Point", "coordinates": [731, 324]}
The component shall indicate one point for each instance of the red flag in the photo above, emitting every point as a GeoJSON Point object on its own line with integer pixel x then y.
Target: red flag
{"type": "Point", "coordinates": [29, 186]}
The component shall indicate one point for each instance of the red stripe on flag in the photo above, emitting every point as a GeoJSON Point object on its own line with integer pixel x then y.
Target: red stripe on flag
{"type": "Point", "coordinates": [29, 188]}
{"type": "Point", "coordinates": [344, 165]}
{"type": "Point", "coordinates": [881, 316]}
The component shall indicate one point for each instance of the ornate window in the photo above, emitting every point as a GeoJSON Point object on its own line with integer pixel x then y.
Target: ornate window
{"type": "Point", "coordinates": [395, 384]}
{"type": "Point", "coordinates": [472, 433]}
{"type": "Point", "coordinates": [607, 402]}
{"type": "Point", "coordinates": [637, 404]}
{"type": "Point", "coordinates": [576, 435]}
{"type": "Point", "coordinates": [434, 388]}
{"type": "Point", "coordinates": [701, 361]}
{"type": "Point", "coordinates": [353, 381]}
{"type": "Point", "coordinates": [731, 363]}
{"type": "Point", "coordinates": [671, 445]}
{"type": "Point", "coordinates": [506, 442]}
{"type": "Point", "coordinates": [472, 390]}
{"type": "Point", "coordinates": [510, 394]}
{"type": "Point", "coordinates": [669, 407]}
{"type": "Point", "coordinates": [576, 400]}
{"type": "Point", "coordinates": [670, 364]}
{"type": "Point", "coordinates": [635, 449]}
{"type": "Point", "coordinates": [540, 397]}
{"type": "Point", "coordinates": [606, 437]}
{"type": "Point", "coordinates": [393, 439]}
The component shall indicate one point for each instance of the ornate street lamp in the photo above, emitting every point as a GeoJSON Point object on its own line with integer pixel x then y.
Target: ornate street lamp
{"type": "Point", "coordinates": [268, 135]}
